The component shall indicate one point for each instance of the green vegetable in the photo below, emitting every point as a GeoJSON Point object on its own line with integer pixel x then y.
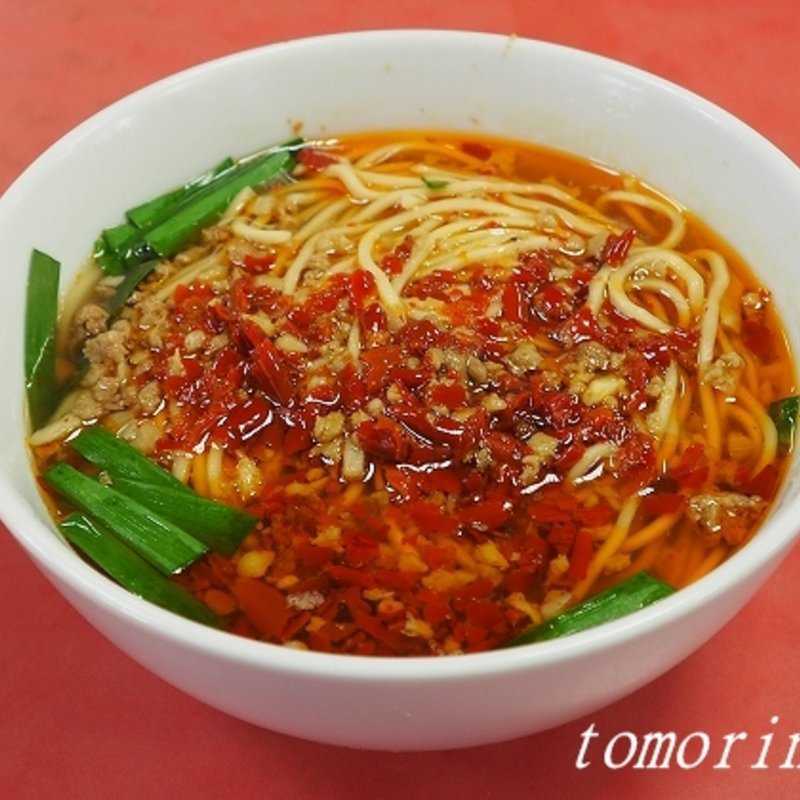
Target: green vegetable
{"type": "Point", "coordinates": [158, 541]}
{"type": "Point", "coordinates": [117, 237]}
{"type": "Point", "coordinates": [630, 595]}
{"type": "Point", "coordinates": [105, 258]}
{"type": "Point", "coordinates": [41, 317]}
{"type": "Point", "coordinates": [220, 526]}
{"type": "Point", "coordinates": [147, 214]}
{"type": "Point", "coordinates": [114, 245]}
{"type": "Point", "coordinates": [133, 277]}
{"type": "Point", "coordinates": [120, 459]}
{"type": "Point", "coordinates": [204, 206]}
{"type": "Point", "coordinates": [784, 414]}
{"type": "Point", "coordinates": [131, 571]}
{"type": "Point", "coordinates": [431, 183]}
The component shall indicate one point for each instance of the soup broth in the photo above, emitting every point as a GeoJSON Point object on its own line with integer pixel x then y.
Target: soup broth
{"type": "Point", "coordinates": [460, 384]}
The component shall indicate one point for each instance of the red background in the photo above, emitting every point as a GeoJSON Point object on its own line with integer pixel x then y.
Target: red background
{"type": "Point", "coordinates": [79, 719]}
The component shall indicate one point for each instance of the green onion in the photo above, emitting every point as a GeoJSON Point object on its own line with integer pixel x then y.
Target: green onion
{"type": "Point", "coordinates": [117, 237]}
{"type": "Point", "coordinates": [158, 541]}
{"type": "Point", "coordinates": [432, 183]}
{"type": "Point", "coordinates": [120, 459]}
{"type": "Point", "coordinates": [156, 210]}
{"type": "Point", "coordinates": [221, 527]}
{"type": "Point", "coordinates": [784, 414]}
{"type": "Point", "coordinates": [203, 207]}
{"type": "Point", "coordinates": [105, 258]}
{"type": "Point", "coordinates": [131, 571]}
{"type": "Point", "coordinates": [630, 595]}
{"type": "Point", "coordinates": [133, 277]}
{"type": "Point", "coordinates": [41, 317]}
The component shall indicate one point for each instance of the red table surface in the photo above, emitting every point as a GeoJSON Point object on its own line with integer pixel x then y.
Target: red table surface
{"type": "Point", "coordinates": [80, 719]}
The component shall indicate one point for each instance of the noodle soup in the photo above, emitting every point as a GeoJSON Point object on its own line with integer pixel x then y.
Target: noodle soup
{"type": "Point", "coordinates": [458, 385]}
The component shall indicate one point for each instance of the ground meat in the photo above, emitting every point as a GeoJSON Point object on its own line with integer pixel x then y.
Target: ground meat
{"type": "Point", "coordinates": [90, 320]}
{"type": "Point", "coordinates": [723, 374]}
{"type": "Point", "coordinates": [725, 515]}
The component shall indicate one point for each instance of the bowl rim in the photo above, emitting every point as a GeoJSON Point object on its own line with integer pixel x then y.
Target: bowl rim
{"type": "Point", "coordinates": [48, 551]}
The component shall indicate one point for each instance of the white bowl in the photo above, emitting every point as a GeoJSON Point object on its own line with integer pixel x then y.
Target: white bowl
{"type": "Point", "coordinates": [171, 131]}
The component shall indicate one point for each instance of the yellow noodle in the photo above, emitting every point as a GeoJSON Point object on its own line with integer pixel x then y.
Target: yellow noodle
{"type": "Point", "coordinates": [768, 431]}
{"type": "Point", "coordinates": [608, 548]}
{"type": "Point", "coordinates": [652, 531]}
{"type": "Point", "coordinates": [673, 215]}
{"type": "Point", "coordinates": [712, 559]}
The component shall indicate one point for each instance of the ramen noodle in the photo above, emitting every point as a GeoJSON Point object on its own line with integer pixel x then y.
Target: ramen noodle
{"type": "Point", "coordinates": [461, 384]}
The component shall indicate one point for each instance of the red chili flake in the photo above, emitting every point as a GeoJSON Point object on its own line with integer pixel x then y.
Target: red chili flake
{"type": "Point", "coordinates": [394, 642]}
{"type": "Point", "coordinates": [311, 555]}
{"type": "Point", "coordinates": [297, 439]}
{"type": "Point", "coordinates": [360, 549]}
{"type": "Point", "coordinates": [662, 503]}
{"type": "Point", "coordinates": [418, 336]}
{"type": "Point", "coordinates": [444, 433]}
{"type": "Point", "coordinates": [403, 483]}
{"type": "Point", "coordinates": [503, 446]}
{"type": "Point", "coordinates": [394, 262]}
{"type": "Point", "coordinates": [376, 362]}
{"type": "Point", "coordinates": [362, 285]}
{"type": "Point", "coordinates": [488, 514]}
{"type": "Point", "coordinates": [410, 378]}
{"type": "Point", "coordinates": [241, 294]}
{"type": "Point", "coordinates": [438, 284]}
{"type": "Point", "coordinates": [352, 389]}
{"type": "Point", "coordinates": [564, 409]}
{"type": "Point", "coordinates": [580, 555]}
{"type": "Point", "coordinates": [552, 304]}
{"type": "Point", "coordinates": [382, 439]}
{"type": "Point", "coordinates": [758, 338]}
{"type": "Point", "coordinates": [480, 588]}
{"type": "Point", "coordinates": [582, 326]}
{"type": "Point", "coordinates": [436, 556]}
{"type": "Point", "coordinates": [451, 395]}
{"type": "Point", "coordinates": [430, 518]}
{"type": "Point", "coordinates": [372, 319]}
{"type": "Point", "coordinates": [616, 248]}
{"type": "Point", "coordinates": [263, 605]}
{"type": "Point", "coordinates": [635, 461]}
{"type": "Point", "coordinates": [396, 579]}
{"type": "Point", "coordinates": [477, 150]}
{"type": "Point", "coordinates": [315, 158]}
{"type": "Point", "coordinates": [435, 607]}
{"type": "Point", "coordinates": [600, 514]}
{"type": "Point", "coordinates": [482, 613]}
{"type": "Point", "coordinates": [561, 537]}
{"type": "Point", "coordinates": [442, 480]}
{"type": "Point", "coordinates": [257, 264]}
{"type": "Point", "coordinates": [351, 575]}
{"type": "Point", "coordinates": [763, 484]}
{"type": "Point", "coordinates": [690, 473]}
{"type": "Point", "coordinates": [249, 418]}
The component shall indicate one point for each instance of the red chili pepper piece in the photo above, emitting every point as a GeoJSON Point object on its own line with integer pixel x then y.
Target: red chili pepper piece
{"type": "Point", "coordinates": [763, 484]}
{"type": "Point", "coordinates": [263, 605]}
{"type": "Point", "coordinates": [663, 503]}
{"type": "Point", "coordinates": [580, 555]}
{"type": "Point", "coordinates": [477, 150]}
{"type": "Point", "coordinates": [431, 519]}
{"type": "Point", "coordinates": [315, 158]}
{"type": "Point", "coordinates": [616, 248]}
